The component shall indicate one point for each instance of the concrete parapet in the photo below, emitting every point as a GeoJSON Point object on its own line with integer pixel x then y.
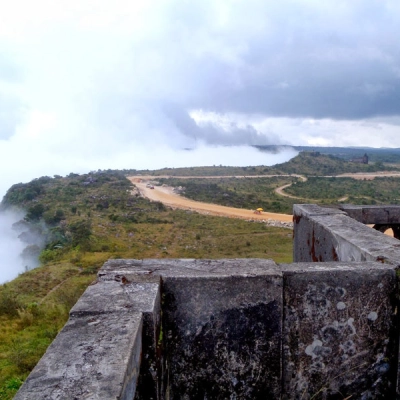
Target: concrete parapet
{"type": "Point", "coordinates": [340, 331]}
{"type": "Point", "coordinates": [324, 234]}
{"type": "Point", "coordinates": [93, 357]}
{"type": "Point", "coordinates": [384, 215]}
{"type": "Point", "coordinates": [223, 331]}
{"type": "Point", "coordinates": [98, 353]}
{"type": "Point", "coordinates": [217, 329]}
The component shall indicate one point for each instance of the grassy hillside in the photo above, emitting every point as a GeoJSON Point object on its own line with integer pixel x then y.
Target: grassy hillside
{"type": "Point", "coordinates": [207, 171]}
{"type": "Point", "coordinates": [260, 192]}
{"type": "Point", "coordinates": [383, 155]}
{"type": "Point", "coordinates": [306, 163]}
{"type": "Point", "coordinates": [317, 164]}
{"type": "Point", "coordinates": [385, 190]}
{"type": "Point", "coordinates": [85, 220]}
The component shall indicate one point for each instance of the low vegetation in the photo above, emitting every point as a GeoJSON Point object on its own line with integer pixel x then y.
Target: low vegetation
{"type": "Point", "coordinates": [381, 190]}
{"type": "Point", "coordinates": [317, 164]}
{"type": "Point", "coordinates": [207, 171]}
{"type": "Point", "coordinates": [310, 163]}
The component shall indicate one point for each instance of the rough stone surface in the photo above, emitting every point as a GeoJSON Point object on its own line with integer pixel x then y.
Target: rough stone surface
{"type": "Point", "coordinates": [135, 295]}
{"type": "Point", "coordinates": [388, 214]}
{"type": "Point", "coordinates": [132, 270]}
{"type": "Point", "coordinates": [313, 210]}
{"type": "Point", "coordinates": [223, 337]}
{"type": "Point", "coordinates": [98, 353]}
{"type": "Point", "coordinates": [94, 357]}
{"type": "Point", "coordinates": [340, 331]}
{"type": "Point", "coordinates": [221, 324]}
{"type": "Point", "coordinates": [332, 236]}
{"type": "Point", "coordinates": [112, 296]}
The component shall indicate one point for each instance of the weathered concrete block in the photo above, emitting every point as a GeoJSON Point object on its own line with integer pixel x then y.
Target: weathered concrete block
{"type": "Point", "coordinates": [234, 314]}
{"type": "Point", "coordinates": [311, 210]}
{"type": "Point", "coordinates": [138, 270]}
{"type": "Point", "coordinates": [340, 331]}
{"type": "Point", "coordinates": [112, 296]}
{"type": "Point", "coordinates": [333, 236]}
{"type": "Point", "coordinates": [383, 214]}
{"type": "Point", "coordinates": [115, 293]}
{"type": "Point", "coordinates": [110, 321]}
{"type": "Point", "coordinates": [94, 357]}
{"type": "Point", "coordinates": [223, 333]}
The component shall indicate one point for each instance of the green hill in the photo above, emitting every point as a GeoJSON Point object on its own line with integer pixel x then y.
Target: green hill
{"type": "Point", "coordinates": [317, 164]}
{"type": "Point", "coordinates": [306, 163]}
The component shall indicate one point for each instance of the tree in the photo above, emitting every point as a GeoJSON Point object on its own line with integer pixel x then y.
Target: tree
{"type": "Point", "coordinates": [80, 232]}
{"type": "Point", "coordinates": [35, 212]}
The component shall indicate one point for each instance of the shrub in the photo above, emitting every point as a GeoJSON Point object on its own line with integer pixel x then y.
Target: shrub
{"type": "Point", "coordinates": [48, 255]}
{"type": "Point", "coordinates": [9, 303]}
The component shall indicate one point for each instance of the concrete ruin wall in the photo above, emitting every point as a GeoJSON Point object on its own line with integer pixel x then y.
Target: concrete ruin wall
{"type": "Point", "coordinates": [237, 329]}
{"type": "Point", "coordinates": [326, 234]}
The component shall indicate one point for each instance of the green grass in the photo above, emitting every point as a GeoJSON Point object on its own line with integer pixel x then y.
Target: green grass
{"type": "Point", "coordinates": [316, 164]}
{"type": "Point", "coordinates": [385, 190]}
{"type": "Point", "coordinates": [306, 163]}
{"type": "Point", "coordinates": [41, 302]}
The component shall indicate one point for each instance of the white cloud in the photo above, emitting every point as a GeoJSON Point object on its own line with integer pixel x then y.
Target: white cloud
{"type": "Point", "coordinates": [96, 84]}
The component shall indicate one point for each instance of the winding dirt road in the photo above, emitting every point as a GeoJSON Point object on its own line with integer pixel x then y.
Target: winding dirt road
{"type": "Point", "coordinates": [166, 195]}
{"type": "Point", "coordinates": [357, 175]}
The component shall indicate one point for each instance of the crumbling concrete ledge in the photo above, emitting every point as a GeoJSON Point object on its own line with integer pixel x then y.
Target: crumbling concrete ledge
{"type": "Point", "coordinates": [97, 355]}
{"type": "Point", "coordinates": [227, 329]}
{"type": "Point", "coordinates": [326, 234]}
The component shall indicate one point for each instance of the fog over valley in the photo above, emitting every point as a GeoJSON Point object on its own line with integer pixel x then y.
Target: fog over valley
{"type": "Point", "coordinates": [11, 247]}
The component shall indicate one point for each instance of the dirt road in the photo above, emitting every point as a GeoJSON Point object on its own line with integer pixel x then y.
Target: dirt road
{"type": "Point", "coordinates": [356, 175]}
{"type": "Point", "coordinates": [166, 195]}
{"type": "Point", "coordinates": [280, 190]}
{"type": "Point", "coordinates": [369, 175]}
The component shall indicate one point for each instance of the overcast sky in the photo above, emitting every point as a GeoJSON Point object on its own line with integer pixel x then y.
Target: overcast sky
{"type": "Point", "coordinates": [88, 84]}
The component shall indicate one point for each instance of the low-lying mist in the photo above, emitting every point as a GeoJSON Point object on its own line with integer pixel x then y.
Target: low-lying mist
{"type": "Point", "coordinates": [18, 248]}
